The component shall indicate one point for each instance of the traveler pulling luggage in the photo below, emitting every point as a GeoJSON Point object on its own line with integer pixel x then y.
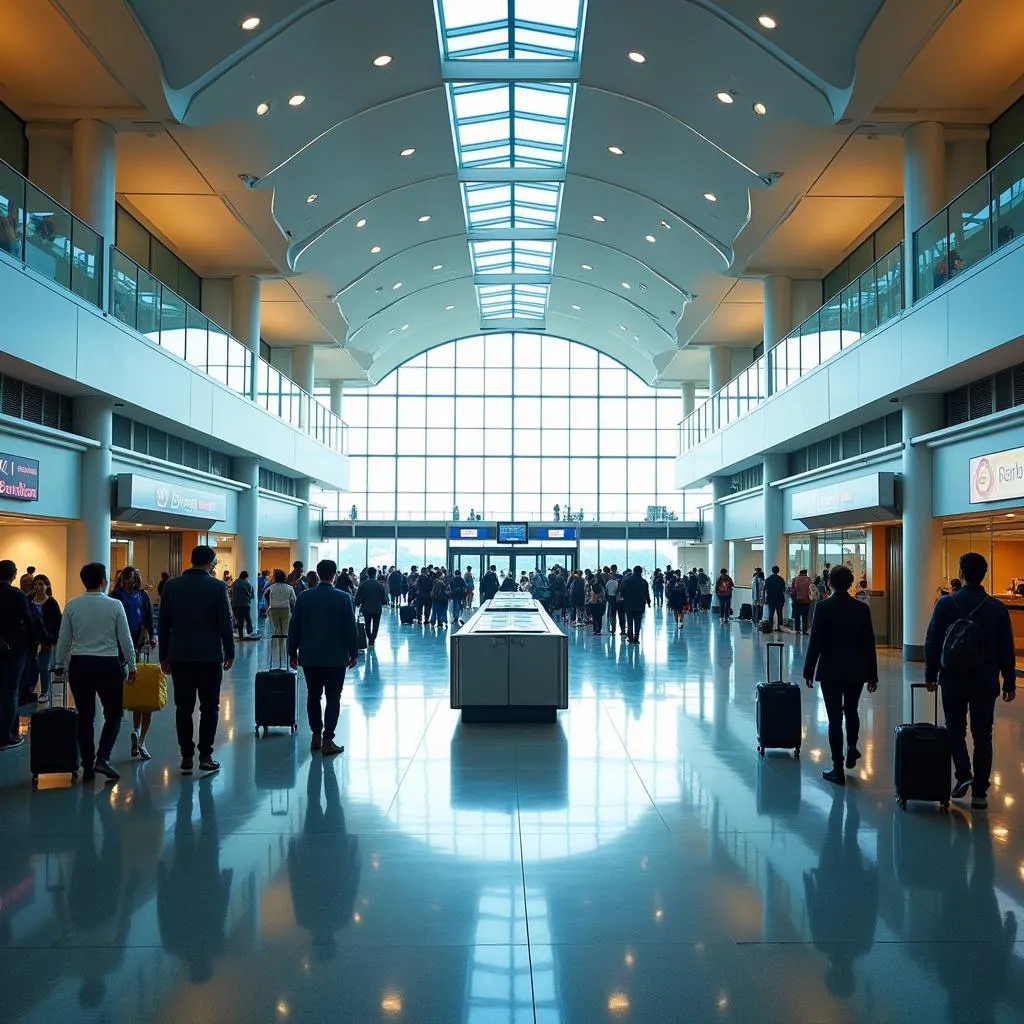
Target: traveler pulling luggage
{"type": "Point", "coordinates": [275, 694]}
{"type": "Point", "coordinates": [53, 740]}
{"type": "Point", "coordinates": [779, 718]}
{"type": "Point", "coordinates": [923, 759]}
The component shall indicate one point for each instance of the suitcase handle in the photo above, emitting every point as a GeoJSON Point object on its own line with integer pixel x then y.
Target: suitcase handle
{"type": "Point", "coordinates": [768, 660]}
{"type": "Point", "coordinates": [923, 686]}
{"type": "Point", "coordinates": [281, 657]}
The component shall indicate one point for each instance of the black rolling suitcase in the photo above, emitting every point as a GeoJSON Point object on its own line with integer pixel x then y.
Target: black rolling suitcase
{"type": "Point", "coordinates": [275, 696]}
{"type": "Point", "coordinates": [405, 615]}
{"type": "Point", "coordinates": [746, 612]}
{"type": "Point", "coordinates": [53, 740]}
{"type": "Point", "coordinates": [923, 760]}
{"type": "Point", "coordinates": [361, 633]}
{"type": "Point", "coordinates": [779, 718]}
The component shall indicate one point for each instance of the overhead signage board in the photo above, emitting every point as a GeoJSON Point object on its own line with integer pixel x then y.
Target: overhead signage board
{"type": "Point", "coordinates": [998, 476]}
{"type": "Point", "coordinates": [870, 497]}
{"type": "Point", "coordinates": [553, 533]}
{"type": "Point", "coordinates": [512, 533]}
{"type": "Point", "coordinates": [169, 497]}
{"type": "Point", "coordinates": [19, 478]}
{"type": "Point", "coordinates": [470, 533]}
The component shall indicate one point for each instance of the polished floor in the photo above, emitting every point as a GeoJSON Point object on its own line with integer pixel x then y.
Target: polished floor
{"type": "Point", "coordinates": [635, 862]}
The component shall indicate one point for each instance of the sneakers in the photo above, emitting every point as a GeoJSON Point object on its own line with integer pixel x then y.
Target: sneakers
{"type": "Point", "coordinates": [207, 764]}
{"type": "Point", "coordinates": [44, 698]}
{"type": "Point", "coordinates": [105, 768]}
{"type": "Point", "coordinates": [852, 757]}
{"type": "Point", "coordinates": [135, 744]}
{"type": "Point", "coordinates": [979, 803]}
{"type": "Point", "coordinates": [961, 787]}
{"type": "Point", "coordinates": [835, 776]}
{"type": "Point", "coordinates": [315, 742]}
{"type": "Point", "coordinates": [186, 766]}
{"type": "Point", "coordinates": [88, 775]}
{"type": "Point", "coordinates": [144, 753]}
{"type": "Point", "coordinates": [330, 747]}
{"type": "Point", "coordinates": [16, 742]}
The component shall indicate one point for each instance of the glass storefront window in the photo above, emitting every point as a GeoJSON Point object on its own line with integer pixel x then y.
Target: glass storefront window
{"type": "Point", "coordinates": [811, 551]}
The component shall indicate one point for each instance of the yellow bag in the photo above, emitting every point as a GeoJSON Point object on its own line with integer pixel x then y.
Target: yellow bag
{"type": "Point", "coordinates": [148, 692]}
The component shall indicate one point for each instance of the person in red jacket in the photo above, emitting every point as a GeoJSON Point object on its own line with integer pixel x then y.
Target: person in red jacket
{"type": "Point", "coordinates": [800, 591]}
{"type": "Point", "coordinates": [724, 587]}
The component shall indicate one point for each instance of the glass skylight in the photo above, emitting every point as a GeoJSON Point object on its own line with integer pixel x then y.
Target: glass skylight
{"type": "Point", "coordinates": [503, 257]}
{"type": "Point", "coordinates": [504, 207]}
{"type": "Point", "coordinates": [512, 301]}
{"type": "Point", "coordinates": [517, 124]}
{"type": "Point", "coordinates": [510, 29]}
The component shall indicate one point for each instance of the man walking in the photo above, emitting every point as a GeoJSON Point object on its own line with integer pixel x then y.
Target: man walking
{"type": "Point", "coordinates": [15, 641]}
{"type": "Point", "coordinates": [458, 591]}
{"type": "Point", "coordinates": [370, 600]}
{"type": "Point", "coordinates": [636, 596]}
{"type": "Point", "coordinates": [724, 587]}
{"type": "Point", "coordinates": [775, 598]}
{"type": "Point", "coordinates": [197, 646]}
{"type": "Point", "coordinates": [841, 656]}
{"type": "Point", "coordinates": [322, 639]}
{"type": "Point", "coordinates": [489, 584]}
{"type": "Point", "coordinates": [969, 645]}
{"type": "Point", "coordinates": [801, 591]}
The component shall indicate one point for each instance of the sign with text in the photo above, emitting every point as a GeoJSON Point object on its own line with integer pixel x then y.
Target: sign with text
{"type": "Point", "coordinates": [19, 478]}
{"type": "Point", "coordinates": [997, 477]}
{"type": "Point", "coordinates": [470, 533]}
{"type": "Point", "coordinates": [167, 496]}
{"type": "Point", "coordinates": [553, 533]}
{"type": "Point", "coordinates": [872, 497]}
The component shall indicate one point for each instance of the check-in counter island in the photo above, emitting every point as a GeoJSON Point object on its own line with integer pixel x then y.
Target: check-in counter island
{"type": "Point", "coordinates": [510, 663]}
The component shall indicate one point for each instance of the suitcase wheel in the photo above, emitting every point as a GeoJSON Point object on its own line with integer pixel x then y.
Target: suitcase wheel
{"type": "Point", "coordinates": [796, 751]}
{"type": "Point", "coordinates": [295, 727]}
{"type": "Point", "coordinates": [35, 780]}
{"type": "Point", "coordinates": [945, 808]}
{"type": "Point", "coordinates": [74, 778]}
{"type": "Point", "coordinates": [760, 750]}
{"type": "Point", "coordinates": [902, 803]}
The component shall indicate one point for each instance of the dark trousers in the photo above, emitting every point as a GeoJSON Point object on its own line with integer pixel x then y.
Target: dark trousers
{"type": "Point", "coordinates": [319, 681]}
{"type": "Point", "coordinates": [89, 678]}
{"type": "Point", "coordinates": [775, 613]}
{"type": "Point", "coordinates": [633, 620]}
{"type": "Point", "coordinates": [243, 618]}
{"type": "Point", "coordinates": [372, 620]}
{"type": "Point", "coordinates": [801, 615]}
{"type": "Point", "coordinates": [423, 608]}
{"type": "Point", "coordinates": [196, 679]}
{"type": "Point", "coordinates": [617, 614]}
{"type": "Point", "coordinates": [11, 670]}
{"type": "Point", "coordinates": [597, 615]}
{"type": "Point", "coordinates": [957, 701]}
{"type": "Point", "coordinates": [841, 701]}
{"type": "Point", "coordinates": [724, 606]}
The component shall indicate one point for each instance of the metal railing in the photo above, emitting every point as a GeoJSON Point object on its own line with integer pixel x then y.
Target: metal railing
{"type": "Point", "coordinates": [863, 305]}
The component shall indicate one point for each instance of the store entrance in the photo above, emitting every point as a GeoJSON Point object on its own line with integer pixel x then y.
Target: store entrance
{"type": "Point", "coordinates": [519, 560]}
{"type": "Point", "coordinates": [151, 550]}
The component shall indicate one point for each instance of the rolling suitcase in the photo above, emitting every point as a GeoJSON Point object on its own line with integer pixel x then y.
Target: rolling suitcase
{"type": "Point", "coordinates": [275, 695]}
{"type": "Point", "coordinates": [779, 718]}
{"type": "Point", "coordinates": [53, 741]}
{"type": "Point", "coordinates": [361, 633]}
{"type": "Point", "coordinates": [746, 612]}
{"type": "Point", "coordinates": [405, 614]}
{"type": "Point", "coordinates": [922, 765]}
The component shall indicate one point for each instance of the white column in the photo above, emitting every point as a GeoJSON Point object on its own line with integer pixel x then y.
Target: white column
{"type": "Point", "coordinates": [689, 391]}
{"type": "Point", "coordinates": [245, 319]}
{"type": "Point", "coordinates": [90, 535]}
{"type": "Point", "coordinates": [303, 375]}
{"type": "Point", "coordinates": [922, 534]}
{"type": "Point", "coordinates": [247, 541]}
{"type": "Point", "coordinates": [718, 549]}
{"type": "Point", "coordinates": [337, 390]}
{"type": "Point", "coordinates": [778, 318]}
{"type": "Point", "coordinates": [215, 301]}
{"type": "Point", "coordinates": [49, 158]}
{"type": "Point", "coordinates": [924, 185]}
{"type": "Point", "coordinates": [302, 492]}
{"type": "Point", "coordinates": [776, 467]}
{"type": "Point", "coordinates": [719, 368]}
{"type": "Point", "coordinates": [92, 184]}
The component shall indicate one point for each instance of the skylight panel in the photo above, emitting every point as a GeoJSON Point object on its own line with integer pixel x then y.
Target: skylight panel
{"type": "Point", "coordinates": [507, 257]}
{"type": "Point", "coordinates": [519, 301]}
{"type": "Point", "coordinates": [510, 29]}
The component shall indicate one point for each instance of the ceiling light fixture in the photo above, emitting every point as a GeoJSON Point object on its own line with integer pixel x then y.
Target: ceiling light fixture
{"type": "Point", "coordinates": [396, 286]}
{"type": "Point", "coordinates": [405, 327]}
{"type": "Point", "coordinates": [361, 223]}
{"type": "Point", "coordinates": [438, 266]}
{"type": "Point", "coordinates": [586, 266]}
{"type": "Point", "coordinates": [250, 23]}
{"type": "Point", "coordinates": [650, 238]}
{"type": "Point", "coordinates": [449, 308]}
{"type": "Point", "coordinates": [382, 61]}
{"type": "Point", "coordinates": [665, 224]}
{"type": "Point", "coordinates": [407, 152]}
{"type": "Point", "coordinates": [711, 197]}
{"type": "Point", "coordinates": [577, 308]}
{"type": "Point", "coordinates": [623, 327]}
{"type": "Point", "coordinates": [598, 218]}
{"type": "Point", "coordinates": [626, 285]}
{"type": "Point", "coordinates": [297, 100]}
{"type": "Point", "coordinates": [375, 250]}
{"type": "Point", "coordinates": [767, 21]}
{"type": "Point", "coordinates": [615, 150]}
{"type": "Point", "coordinates": [636, 57]}
{"type": "Point", "coordinates": [760, 109]}
{"type": "Point", "coordinates": [262, 109]}
{"type": "Point", "coordinates": [424, 218]}
{"type": "Point", "coordinates": [725, 97]}
{"type": "Point", "coordinates": [312, 197]}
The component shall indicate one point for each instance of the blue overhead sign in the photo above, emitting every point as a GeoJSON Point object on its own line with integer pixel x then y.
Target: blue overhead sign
{"type": "Point", "coordinates": [553, 533]}
{"type": "Point", "coordinates": [470, 533]}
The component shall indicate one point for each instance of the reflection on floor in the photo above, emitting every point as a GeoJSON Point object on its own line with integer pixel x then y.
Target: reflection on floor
{"type": "Point", "coordinates": [636, 862]}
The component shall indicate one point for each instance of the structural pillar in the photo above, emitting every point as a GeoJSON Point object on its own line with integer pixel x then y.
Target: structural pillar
{"type": "Point", "coordinates": [90, 541]}
{"type": "Point", "coordinates": [247, 541]}
{"type": "Point", "coordinates": [778, 320]}
{"type": "Point", "coordinates": [924, 187]}
{"type": "Point", "coordinates": [338, 389]}
{"type": "Point", "coordinates": [303, 375]}
{"type": "Point", "coordinates": [245, 319]}
{"type": "Point", "coordinates": [92, 184]}
{"type": "Point", "coordinates": [718, 550]}
{"type": "Point", "coordinates": [302, 545]}
{"type": "Point", "coordinates": [719, 367]}
{"type": "Point", "coordinates": [49, 158]}
{"type": "Point", "coordinates": [776, 467]}
{"type": "Point", "coordinates": [922, 534]}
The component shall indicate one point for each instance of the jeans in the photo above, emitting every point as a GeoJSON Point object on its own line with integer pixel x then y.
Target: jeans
{"type": "Point", "coordinates": [633, 621]}
{"type": "Point", "coordinates": [320, 680]}
{"type": "Point", "coordinates": [43, 661]}
{"type": "Point", "coordinates": [11, 670]}
{"type": "Point", "coordinates": [438, 615]}
{"type": "Point", "coordinates": [841, 701]}
{"type": "Point", "coordinates": [957, 701]}
{"type": "Point", "coordinates": [724, 606]}
{"type": "Point", "coordinates": [775, 613]}
{"type": "Point", "coordinates": [372, 620]}
{"type": "Point", "coordinates": [192, 679]}
{"type": "Point", "coordinates": [618, 614]}
{"type": "Point", "coordinates": [597, 615]}
{"type": "Point", "coordinates": [89, 678]}
{"type": "Point", "coordinates": [456, 609]}
{"type": "Point", "coordinates": [801, 615]}
{"type": "Point", "coordinates": [243, 617]}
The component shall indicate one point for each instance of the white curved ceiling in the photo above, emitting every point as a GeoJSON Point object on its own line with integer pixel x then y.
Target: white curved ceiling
{"type": "Point", "coordinates": [343, 145]}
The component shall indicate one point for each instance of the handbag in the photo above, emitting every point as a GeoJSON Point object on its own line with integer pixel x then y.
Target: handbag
{"type": "Point", "coordinates": [149, 691]}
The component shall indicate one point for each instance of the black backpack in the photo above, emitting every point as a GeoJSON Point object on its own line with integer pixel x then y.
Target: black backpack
{"type": "Point", "coordinates": [963, 647]}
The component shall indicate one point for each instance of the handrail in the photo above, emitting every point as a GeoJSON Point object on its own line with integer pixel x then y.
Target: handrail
{"type": "Point", "coordinates": [873, 299]}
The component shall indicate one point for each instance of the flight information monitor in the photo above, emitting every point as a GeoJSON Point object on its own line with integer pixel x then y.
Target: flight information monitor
{"type": "Point", "coordinates": [512, 533]}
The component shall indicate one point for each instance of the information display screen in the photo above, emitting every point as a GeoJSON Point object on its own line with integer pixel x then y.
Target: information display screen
{"type": "Point", "coordinates": [512, 533]}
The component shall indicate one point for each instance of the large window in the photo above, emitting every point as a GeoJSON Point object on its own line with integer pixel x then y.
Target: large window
{"type": "Point", "coordinates": [511, 425]}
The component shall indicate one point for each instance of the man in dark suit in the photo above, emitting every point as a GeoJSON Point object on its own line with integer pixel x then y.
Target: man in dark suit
{"type": "Point", "coordinates": [841, 656]}
{"type": "Point", "coordinates": [322, 639]}
{"type": "Point", "coordinates": [197, 645]}
{"type": "Point", "coordinates": [489, 585]}
{"type": "Point", "coordinates": [635, 596]}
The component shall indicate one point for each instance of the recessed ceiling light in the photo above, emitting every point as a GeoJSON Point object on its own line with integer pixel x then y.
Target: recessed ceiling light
{"type": "Point", "coordinates": [424, 218]}
{"type": "Point", "coordinates": [615, 150]}
{"type": "Point", "coordinates": [407, 152]}
{"type": "Point", "coordinates": [312, 197]}
{"type": "Point", "coordinates": [598, 218]}
{"type": "Point", "coordinates": [623, 327]}
{"type": "Point", "coordinates": [361, 223]}
{"type": "Point", "coordinates": [586, 266]}
{"type": "Point", "coordinates": [250, 23]}
{"type": "Point", "coordinates": [760, 109]}
{"type": "Point", "coordinates": [665, 224]}
{"type": "Point", "coordinates": [375, 250]}
{"type": "Point", "coordinates": [650, 238]}
{"type": "Point", "coordinates": [438, 266]}
{"type": "Point", "coordinates": [297, 100]}
{"type": "Point", "coordinates": [725, 97]}
{"type": "Point", "coordinates": [449, 308]}
{"type": "Point", "coordinates": [382, 61]}
{"type": "Point", "coordinates": [139, 525]}
{"type": "Point", "coordinates": [394, 330]}
{"type": "Point", "coordinates": [396, 286]}
{"type": "Point", "coordinates": [262, 109]}
{"type": "Point", "coordinates": [636, 57]}
{"type": "Point", "coordinates": [405, 327]}
{"type": "Point", "coordinates": [626, 285]}
{"type": "Point", "coordinates": [711, 197]}
{"type": "Point", "coordinates": [767, 21]}
{"type": "Point", "coordinates": [574, 306]}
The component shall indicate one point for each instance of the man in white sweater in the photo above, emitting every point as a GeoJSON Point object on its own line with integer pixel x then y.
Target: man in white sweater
{"type": "Point", "coordinates": [93, 645]}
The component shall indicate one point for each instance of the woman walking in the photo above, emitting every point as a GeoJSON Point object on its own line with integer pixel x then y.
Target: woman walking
{"type": "Point", "coordinates": [280, 605]}
{"type": "Point", "coordinates": [138, 609]}
{"type": "Point", "coordinates": [45, 607]}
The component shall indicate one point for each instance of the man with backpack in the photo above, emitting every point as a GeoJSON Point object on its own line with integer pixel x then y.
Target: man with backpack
{"type": "Point", "coordinates": [969, 645]}
{"type": "Point", "coordinates": [489, 584]}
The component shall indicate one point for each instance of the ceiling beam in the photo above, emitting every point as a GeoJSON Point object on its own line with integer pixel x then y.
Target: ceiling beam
{"type": "Point", "coordinates": [510, 70]}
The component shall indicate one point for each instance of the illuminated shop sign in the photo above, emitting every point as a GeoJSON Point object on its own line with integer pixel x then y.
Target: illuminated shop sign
{"type": "Point", "coordinates": [997, 477]}
{"type": "Point", "coordinates": [19, 478]}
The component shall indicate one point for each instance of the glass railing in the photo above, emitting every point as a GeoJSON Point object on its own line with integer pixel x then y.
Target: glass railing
{"type": "Point", "coordinates": [40, 233]}
{"type": "Point", "coordinates": [984, 217]}
{"type": "Point", "coordinates": [863, 305]}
